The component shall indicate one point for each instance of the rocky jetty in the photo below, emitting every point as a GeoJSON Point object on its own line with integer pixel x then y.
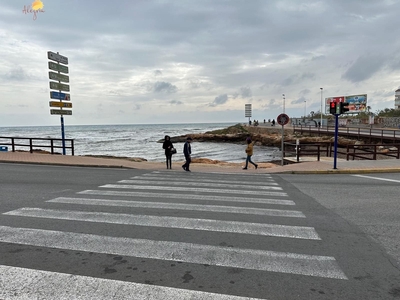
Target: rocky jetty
{"type": "Point", "coordinates": [264, 136]}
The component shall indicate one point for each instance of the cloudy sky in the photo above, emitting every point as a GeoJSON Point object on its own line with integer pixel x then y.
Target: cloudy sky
{"type": "Point", "coordinates": [179, 61]}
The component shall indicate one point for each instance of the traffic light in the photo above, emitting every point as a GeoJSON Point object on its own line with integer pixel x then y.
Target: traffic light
{"type": "Point", "coordinates": [344, 107]}
{"type": "Point", "coordinates": [332, 108]}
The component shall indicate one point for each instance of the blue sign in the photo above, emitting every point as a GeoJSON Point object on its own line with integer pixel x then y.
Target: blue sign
{"type": "Point", "coordinates": [60, 96]}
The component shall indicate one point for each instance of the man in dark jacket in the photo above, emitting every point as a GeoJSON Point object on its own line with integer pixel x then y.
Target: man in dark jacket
{"type": "Point", "coordinates": [187, 151]}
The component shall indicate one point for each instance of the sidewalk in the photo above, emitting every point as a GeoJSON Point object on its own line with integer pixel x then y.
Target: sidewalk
{"type": "Point", "coordinates": [307, 166]}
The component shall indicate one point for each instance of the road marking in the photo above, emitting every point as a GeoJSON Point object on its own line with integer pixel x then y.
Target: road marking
{"type": "Point", "coordinates": [297, 232]}
{"type": "Point", "coordinates": [199, 184]}
{"type": "Point", "coordinates": [377, 178]}
{"type": "Point", "coordinates": [192, 197]}
{"type": "Point", "coordinates": [181, 206]}
{"type": "Point", "coordinates": [198, 176]}
{"type": "Point", "coordinates": [23, 283]}
{"type": "Point", "coordinates": [188, 179]}
{"type": "Point", "coordinates": [191, 189]}
{"type": "Point", "coordinates": [282, 262]}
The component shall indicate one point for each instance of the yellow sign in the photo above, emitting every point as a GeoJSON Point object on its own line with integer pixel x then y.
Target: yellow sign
{"type": "Point", "coordinates": [60, 104]}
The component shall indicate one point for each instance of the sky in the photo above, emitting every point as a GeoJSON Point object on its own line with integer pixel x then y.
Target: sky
{"type": "Point", "coordinates": [195, 61]}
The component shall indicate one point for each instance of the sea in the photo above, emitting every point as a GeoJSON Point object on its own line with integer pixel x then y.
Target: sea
{"type": "Point", "coordinates": [142, 141]}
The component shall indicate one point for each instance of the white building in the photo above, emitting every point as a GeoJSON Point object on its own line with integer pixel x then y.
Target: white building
{"type": "Point", "coordinates": [397, 99]}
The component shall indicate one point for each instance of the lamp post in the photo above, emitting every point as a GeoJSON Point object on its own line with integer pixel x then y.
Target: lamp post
{"type": "Point", "coordinates": [305, 109]}
{"type": "Point", "coordinates": [283, 97]}
{"type": "Point", "coordinates": [322, 89]}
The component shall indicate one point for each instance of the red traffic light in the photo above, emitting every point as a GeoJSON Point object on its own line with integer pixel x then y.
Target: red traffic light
{"type": "Point", "coordinates": [332, 108]}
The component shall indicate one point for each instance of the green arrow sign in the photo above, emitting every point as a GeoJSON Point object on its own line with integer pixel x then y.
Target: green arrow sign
{"type": "Point", "coordinates": [59, 86]}
{"type": "Point", "coordinates": [58, 77]}
{"type": "Point", "coordinates": [58, 68]}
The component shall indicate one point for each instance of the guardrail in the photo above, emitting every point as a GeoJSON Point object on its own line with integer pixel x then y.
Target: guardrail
{"type": "Point", "coordinates": [32, 143]}
{"type": "Point", "coordinates": [360, 151]}
{"type": "Point", "coordinates": [382, 134]}
{"type": "Point", "coordinates": [307, 149]}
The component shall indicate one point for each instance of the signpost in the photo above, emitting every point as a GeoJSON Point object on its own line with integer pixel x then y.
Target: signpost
{"type": "Point", "coordinates": [59, 68]}
{"type": "Point", "coordinates": [247, 111]}
{"type": "Point", "coordinates": [282, 119]}
{"type": "Point", "coordinates": [58, 76]}
{"type": "Point", "coordinates": [60, 96]}
{"type": "Point", "coordinates": [60, 112]}
{"type": "Point", "coordinates": [57, 85]}
{"type": "Point", "coordinates": [60, 104]}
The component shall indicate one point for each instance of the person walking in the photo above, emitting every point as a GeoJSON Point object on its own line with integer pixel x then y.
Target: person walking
{"type": "Point", "coordinates": [167, 145]}
{"type": "Point", "coordinates": [249, 151]}
{"type": "Point", "coordinates": [187, 151]}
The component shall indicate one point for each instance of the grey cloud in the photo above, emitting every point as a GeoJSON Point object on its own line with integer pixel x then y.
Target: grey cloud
{"type": "Point", "coordinates": [221, 99]}
{"type": "Point", "coordinates": [364, 68]}
{"type": "Point", "coordinates": [17, 74]}
{"type": "Point", "coordinates": [272, 104]}
{"type": "Point", "coordinates": [305, 92]}
{"type": "Point", "coordinates": [245, 92]}
{"type": "Point", "coordinates": [298, 101]}
{"type": "Point", "coordinates": [166, 87]}
{"type": "Point", "coordinates": [297, 78]}
{"type": "Point", "coordinates": [157, 73]}
{"type": "Point", "coordinates": [175, 102]}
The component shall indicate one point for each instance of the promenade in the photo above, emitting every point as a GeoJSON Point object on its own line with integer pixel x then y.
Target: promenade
{"type": "Point", "coordinates": [307, 166]}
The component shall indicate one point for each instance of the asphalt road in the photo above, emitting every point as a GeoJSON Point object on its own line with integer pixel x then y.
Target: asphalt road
{"type": "Point", "coordinates": [89, 233]}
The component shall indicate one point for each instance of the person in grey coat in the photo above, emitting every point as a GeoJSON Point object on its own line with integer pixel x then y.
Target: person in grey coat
{"type": "Point", "coordinates": [187, 151]}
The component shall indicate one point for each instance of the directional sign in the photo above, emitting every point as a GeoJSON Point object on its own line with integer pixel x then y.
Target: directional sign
{"type": "Point", "coordinates": [60, 96]}
{"type": "Point", "coordinates": [282, 119]}
{"type": "Point", "coordinates": [58, 67]}
{"type": "Point", "coordinates": [58, 77]}
{"type": "Point", "coordinates": [57, 57]}
{"type": "Point", "coordinates": [60, 112]}
{"type": "Point", "coordinates": [60, 104]}
{"type": "Point", "coordinates": [59, 86]}
{"type": "Point", "coordinates": [247, 110]}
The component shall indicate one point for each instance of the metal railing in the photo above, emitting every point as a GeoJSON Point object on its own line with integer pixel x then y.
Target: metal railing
{"type": "Point", "coordinates": [360, 151]}
{"type": "Point", "coordinates": [359, 132]}
{"type": "Point", "coordinates": [307, 149]}
{"type": "Point", "coordinates": [34, 143]}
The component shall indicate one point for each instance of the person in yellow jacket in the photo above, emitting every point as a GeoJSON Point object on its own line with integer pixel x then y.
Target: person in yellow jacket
{"type": "Point", "coordinates": [249, 152]}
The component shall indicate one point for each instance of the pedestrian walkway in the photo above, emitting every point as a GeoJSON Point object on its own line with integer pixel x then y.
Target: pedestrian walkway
{"type": "Point", "coordinates": [198, 206]}
{"type": "Point", "coordinates": [307, 166]}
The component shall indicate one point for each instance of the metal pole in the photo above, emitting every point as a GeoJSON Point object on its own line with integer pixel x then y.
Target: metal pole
{"type": "Point", "coordinates": [321, 105]}
{"type": "Point", "coordinates": [336, 141]}
{"type": "Point", "coordinates": [63, 133]}
{"type": "Point", "coordinates": [305, 109]}
{"type": "Point", "coordinates": [61, 117]}
{"type": "Point", "coordinates": [283, 95]}
{"type": "Point", "coordinates": [282, 145]}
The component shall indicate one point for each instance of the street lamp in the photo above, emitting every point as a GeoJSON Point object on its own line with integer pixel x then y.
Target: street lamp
{"type": "Point", "coordinates": [305, 109]}
{"type": "Point", "coordinates": [283, 96]}
{"type": "Point", "coordinates": [322, 89]}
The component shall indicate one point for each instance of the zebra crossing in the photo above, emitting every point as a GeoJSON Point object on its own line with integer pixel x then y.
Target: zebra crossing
{"type": "Point", "coordinates": [166, 200]}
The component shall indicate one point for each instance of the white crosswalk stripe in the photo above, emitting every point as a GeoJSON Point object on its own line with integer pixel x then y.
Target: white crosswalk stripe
{"type": "Point", "coordinates": [185, 197]}
{"type": "Point", "coordinates": [299, 232]}
{"type": "Point", "coordinates": [17, 282]}
{"type": "Point", "coordinates": [191, 189]}
{"type": "Point", "coordinates": [173, 194]}
{"type": "Point", "coordinates": [181, 206]}
{"type": "Point", "coordinates": [311, 265]}
{"type": "Point", "coordinates": [186, 179]}
{"type": "Point", "coordinates": [206, 184]}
